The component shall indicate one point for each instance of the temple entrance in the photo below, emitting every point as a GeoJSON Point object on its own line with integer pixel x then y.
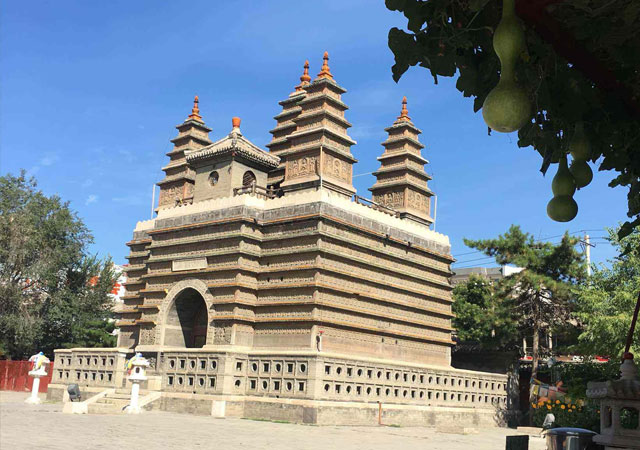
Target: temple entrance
{"type": "Point", "coordinates": [187, 321]}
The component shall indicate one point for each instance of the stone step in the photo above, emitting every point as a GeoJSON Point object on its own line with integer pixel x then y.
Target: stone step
{"type": "Point", "coordinates": [121, 396]}
{"type": "Point", "coordinates": [103, 408]}
{"type": "Point", "coordinates": [113, 401]}
{"type": "Point", "coordinates": [127, 392]}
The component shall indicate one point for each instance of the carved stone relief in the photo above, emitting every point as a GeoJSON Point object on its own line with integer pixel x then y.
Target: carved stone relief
{"type": "Point", "coordinates": [301, 167]}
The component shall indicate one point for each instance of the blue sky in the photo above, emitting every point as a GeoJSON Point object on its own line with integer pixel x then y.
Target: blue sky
{"type": "Point", "coordinates": [91, 92]}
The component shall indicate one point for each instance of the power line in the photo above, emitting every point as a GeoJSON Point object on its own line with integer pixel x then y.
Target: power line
{"type": "Point", "coordinates": [471, 260]}
{"type": "Point", "coordinates": [571, 233]}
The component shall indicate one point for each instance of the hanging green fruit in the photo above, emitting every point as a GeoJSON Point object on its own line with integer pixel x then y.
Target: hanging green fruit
{"type": "Point", "coordinates": [563, 183]}
{"type": "Point", "coordinates": [507, 108]}
{"type": "Point", "coordinates": [581, 172]}
{"type": "Point", "coordinates": [579, 146]}
{"type": "Point", "coordinates": [562, 208]}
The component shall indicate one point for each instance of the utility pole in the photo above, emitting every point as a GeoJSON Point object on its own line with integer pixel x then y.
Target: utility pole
{"type": "Point", "coordinates": [587, 250]}
{"type": "Point", "coordinates": [153, 199]}
{"type": "Point", "coordinates": [435, 211]}
{"type": "Point", "coordinates": [586, 242]}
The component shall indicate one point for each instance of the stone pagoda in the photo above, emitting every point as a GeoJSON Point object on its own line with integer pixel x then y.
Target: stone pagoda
{"type": "Point", "coordinates": [401, 180]}
{"type": "Point", "coordinates": [265, 288]}
{"type": "Point", "coordinates": [177, 186]}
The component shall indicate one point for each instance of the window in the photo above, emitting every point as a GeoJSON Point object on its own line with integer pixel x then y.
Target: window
{"type": "Point", "coordinates": [213, 178]}
{"type": "Point", "coordinates": [248, 179]}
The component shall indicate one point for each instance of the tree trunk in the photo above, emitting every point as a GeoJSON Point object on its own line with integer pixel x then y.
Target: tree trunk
{"type": "Point", "coordinates": [534, 350]}
{"type": "Point", "coordinates": [534, 365]}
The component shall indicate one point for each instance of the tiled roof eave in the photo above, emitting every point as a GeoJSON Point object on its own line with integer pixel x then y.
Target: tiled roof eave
{"type": "Point", "coordinates": [263, 157]}
{"type": "Point", "coordinates": [283, 126]}
{"type": "Point", "coordinates": [288, 112]}
{"type": "Point", "coordinates": [403, 124]}
{"type": "Point", "coordinates": [325, 97]}
{"type": "Point", "coordinates": [330, 81]}
{"type": "Point", "coordinates": [402, 139]}
{"type": "Point", "coordinates": [423, 189]}
{"type": "Point", "coordinates": [173, 179]}
{"type": "Point", "coordinates": [413, 170]}
{"type": "Point", "coordinates": [324, 112]}
{"type": "Point", "coordinates": [196, 123]}
{"type": "Point", "coordinates": [342, 137]}
{"type": "Point", "coordinates": [411, 155]}
{"type": "Point", "coordinates": [205, 141]}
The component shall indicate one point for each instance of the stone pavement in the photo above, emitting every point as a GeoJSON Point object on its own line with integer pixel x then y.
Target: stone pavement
{"type": "Point", "coordinates": [45, 427]}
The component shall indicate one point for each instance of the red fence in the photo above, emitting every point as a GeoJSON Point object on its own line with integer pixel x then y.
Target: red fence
{"type": "Point", "coordinates": [14, 376]}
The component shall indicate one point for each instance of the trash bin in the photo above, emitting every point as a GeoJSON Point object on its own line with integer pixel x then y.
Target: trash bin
{"type": "Point", "coordinates": [571, 439]}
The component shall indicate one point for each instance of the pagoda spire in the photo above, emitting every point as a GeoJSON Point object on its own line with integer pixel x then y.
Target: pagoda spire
{"type": "Point", "coordinates": [177, 186]}
{"type": "Point", "coordinates": [280, 143]}
{"type": "Point", "coordinates": [325, 72]}
{"type": "Point", "coordinates": [404, 114]}
{"type": "Point", "coordinates": [304, 78]}
{"type": "Point", "coordinates": [319, 153]}
{"type": "Point", "coordinates": [401, 179]}
{"type": "Point", "coordinates": [195, 111]}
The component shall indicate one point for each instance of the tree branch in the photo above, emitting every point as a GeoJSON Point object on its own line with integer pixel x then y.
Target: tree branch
{"type": "Point", "coordinates": [533, 14]}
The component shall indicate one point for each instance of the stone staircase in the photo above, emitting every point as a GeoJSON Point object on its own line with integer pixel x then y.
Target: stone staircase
{"type": "Point", "coordinates": [113, 403]}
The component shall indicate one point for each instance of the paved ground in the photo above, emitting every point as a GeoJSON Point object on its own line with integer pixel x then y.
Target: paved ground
{"type": "Point", "coordinates": [45, 427]}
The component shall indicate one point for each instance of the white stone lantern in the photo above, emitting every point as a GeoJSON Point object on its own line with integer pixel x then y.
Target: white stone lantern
{"type": "Point", "coordinates": [618, 397]}
{"type": "Point", "coordinates": [38, 370]}
{"type": "Point", "coordinates": [137, 367]}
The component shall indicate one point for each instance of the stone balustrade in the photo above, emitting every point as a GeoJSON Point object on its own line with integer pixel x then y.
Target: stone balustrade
{"type": "Point", "coordinates": [90, 366]}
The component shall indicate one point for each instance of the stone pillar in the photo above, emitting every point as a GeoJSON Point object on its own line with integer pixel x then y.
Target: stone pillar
{"type": "Point", "coordinates": [37, 371]}
{"type": "Point", "coordinates": [137, 374]}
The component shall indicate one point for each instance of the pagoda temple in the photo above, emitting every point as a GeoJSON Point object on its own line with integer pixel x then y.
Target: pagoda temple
{"type": "Point", "coordinates": [265, 287]}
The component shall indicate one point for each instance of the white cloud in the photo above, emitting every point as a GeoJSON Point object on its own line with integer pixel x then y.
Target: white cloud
{"type": "Point", "coordinates": [91, 199]}
{"type": "Point", "coordinates": [32, 172]}
{"type": "Point", "coordinates": [130, 200]}
{"type": "Point", "coordinates": [127, 155]}
{"type": "Point", "coordinates": [366, 132]}
{"type": "Point", "coordinates": [86, 183]}
{"type": "Point", "coordinates": [48, 160]}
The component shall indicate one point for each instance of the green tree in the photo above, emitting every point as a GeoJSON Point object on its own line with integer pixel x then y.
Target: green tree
{"type": "Point", "coordinates": [606, 301]}
{"type": "Point", "coordinates": [580, 65]}
{"type": "Point", "coordinates": [52, 292]}
{"type": "Point", "coordinates": [540, 297]}
{"type": "Point", "coordinates": [481, 316]}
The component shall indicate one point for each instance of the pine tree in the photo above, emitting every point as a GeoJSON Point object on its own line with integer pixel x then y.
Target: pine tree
{"type": "Point", "coordinates": [541, 296]}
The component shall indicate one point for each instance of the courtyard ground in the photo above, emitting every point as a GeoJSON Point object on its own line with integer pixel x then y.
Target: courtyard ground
{"type": "Point", "coordinates": [44, 426]}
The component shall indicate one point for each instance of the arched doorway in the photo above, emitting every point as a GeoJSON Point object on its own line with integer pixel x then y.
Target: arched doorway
{"type": "Point", "coordinates": [187, 321]}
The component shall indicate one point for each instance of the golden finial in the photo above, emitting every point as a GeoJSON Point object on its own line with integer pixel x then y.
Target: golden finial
{"type": "Point", "coordinates": [304, 78]}
{"type": "Point", "coordinates": [195, 111]}
{"type": "Point", "coordinates": [404, 114]}
{"type": "Point", "coordinates": [325, 72]}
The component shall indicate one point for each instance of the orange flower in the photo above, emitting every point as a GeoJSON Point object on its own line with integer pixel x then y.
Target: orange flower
{"type": "Point", "coordinates": [561, 406]}
{"type": "Point", "coordinates": [548, 407]}
{"type": "Point", "coordinates": [557, 402]}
